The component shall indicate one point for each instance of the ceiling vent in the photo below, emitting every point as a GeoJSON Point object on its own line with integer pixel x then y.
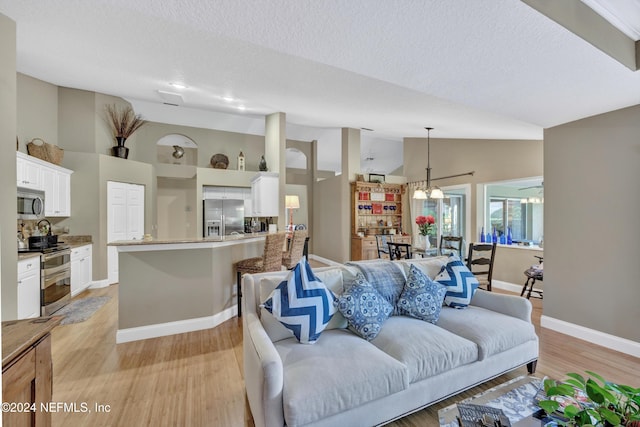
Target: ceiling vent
{"type": "Point", "coordinates": [171, 98]}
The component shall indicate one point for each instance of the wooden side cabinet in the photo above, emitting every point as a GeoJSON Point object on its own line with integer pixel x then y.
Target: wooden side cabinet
{"type": "Point", "coordinates": [27, 372]}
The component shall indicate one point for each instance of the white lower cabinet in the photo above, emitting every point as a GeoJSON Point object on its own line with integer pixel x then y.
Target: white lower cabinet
{"type": "Point", "coordinates": [81, 268]}
{"type": "Point", "coordinates": [29, 288]}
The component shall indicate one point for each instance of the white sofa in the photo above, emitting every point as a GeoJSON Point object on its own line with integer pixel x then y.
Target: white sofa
{"type": "Point", "coordinates": [344, 380]}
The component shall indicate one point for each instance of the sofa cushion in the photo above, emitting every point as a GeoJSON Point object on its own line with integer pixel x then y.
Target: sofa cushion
{"type": "Point", "coordinates": [386, 276]}
{"type": "Point", "coordinates": [302, 303]}
{"type": "Point", "coordinates": [421, 297]}
{"type": "Point", "coordinates": [332, 279]}
{"type": "Point", "coordinates": [341, 371]}
{"type": "Point", "coordinates": [425, 349]}
{"type": "Point", "coordinates": [460, 282]}
{"type": "Point", "coordinates": [492, 332]}
{"type": "Point", "coordinates": [364, 308]}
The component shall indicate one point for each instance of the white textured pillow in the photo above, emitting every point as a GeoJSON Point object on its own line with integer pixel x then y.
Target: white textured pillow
{"type": "Point", "coordinates": [332, 279]}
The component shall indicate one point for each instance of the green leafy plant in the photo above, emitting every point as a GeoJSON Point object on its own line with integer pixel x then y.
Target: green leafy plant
{"type": "Point", "coordinates": [592, 401]}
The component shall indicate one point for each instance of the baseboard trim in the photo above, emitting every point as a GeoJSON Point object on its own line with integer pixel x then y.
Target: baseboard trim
{"type": "Point", "coordinates": [603, 339]}
{"type": "Point", "coordinates": [507, 286]}
{"type": "Point", "coordinates": [324, 260]}
{"type": "Point", "coordinates": [177, 327]}
{"type": "Point", "coordinates": [99, 284]}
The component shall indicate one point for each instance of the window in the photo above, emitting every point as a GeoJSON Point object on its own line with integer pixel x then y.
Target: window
{"type": "Point", "coordinates": [448, 212]}
{"type": "Point", "coordinates": [516, 204]}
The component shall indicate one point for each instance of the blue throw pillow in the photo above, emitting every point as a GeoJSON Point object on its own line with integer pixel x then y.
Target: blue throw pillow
{"type": "Point", "coordinates": [460, 282]}
{"type": "Point", "coordinates": [364, 308]}
{"type": "Point", "coordinates": [302, 303]}
{"type": "Point", "coordinates": [421, 297]}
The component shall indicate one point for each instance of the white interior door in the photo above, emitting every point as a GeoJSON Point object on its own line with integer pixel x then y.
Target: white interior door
{"type": "Point", "coordinates": [125, 219]}
{"type": "Point", "coordinates": [135, 211]}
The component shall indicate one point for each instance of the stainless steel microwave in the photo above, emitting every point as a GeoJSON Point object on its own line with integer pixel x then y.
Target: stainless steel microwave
{"type": "Point", "coordinates": [30, 203]}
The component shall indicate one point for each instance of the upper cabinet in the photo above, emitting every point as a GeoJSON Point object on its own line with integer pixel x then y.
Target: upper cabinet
{"type": "Point", "coordinates": [265, 194]}
{"type": "Point", "coordinates": [54, 180]}
{"type": "Point", "coordinates": [28, 173]}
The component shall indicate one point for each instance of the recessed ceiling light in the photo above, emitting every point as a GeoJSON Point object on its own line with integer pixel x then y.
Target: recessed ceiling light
{"type": "Point", "coordinates": [178, 85]}
{"type": "Point", "coordinates": [241, 107]}
{"type": "Point", "coordinates": [227, 98]}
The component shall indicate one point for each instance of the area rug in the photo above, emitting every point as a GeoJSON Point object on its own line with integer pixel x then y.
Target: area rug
{"type": "Point", "coordinates": [516, 398]}
{"type": "Point", "coordinates": [82, 309]}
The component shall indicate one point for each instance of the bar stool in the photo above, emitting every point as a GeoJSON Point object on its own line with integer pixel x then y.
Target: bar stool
{"type": "Point", "coordinates": [296, 249]}
{"type": "Point", "coordinates": [271, 260]}
{"type": "Point", "coordinates": [533, 273]}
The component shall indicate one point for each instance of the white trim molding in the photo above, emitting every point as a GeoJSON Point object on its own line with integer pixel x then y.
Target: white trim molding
{"type": "Point", "coordinates": [603, 339]}
{"type": "Point", "coordinates": [507, 286]}
{"type": "Point", "coordinates": [177, 327]}
{"type": "Point", "coordinates": [96, 284]}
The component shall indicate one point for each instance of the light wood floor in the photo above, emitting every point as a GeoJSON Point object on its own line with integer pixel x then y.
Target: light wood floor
{"type": "Point", "coordinates": [195, 379]}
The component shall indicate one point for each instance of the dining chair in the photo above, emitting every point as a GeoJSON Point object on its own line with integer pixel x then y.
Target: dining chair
{"type": "Point", "coordinates": [271, 260]}
{"type": "Point", "coordinates": [480, 262]}
{"type": "Point", "coordinates": [381, 244]}
{"type": "Point", "coordinates": [399, 250]}
{"type": "Point", "coordinates": [449, 244]}
{"type": "Point", "coordinates": [292, 256]}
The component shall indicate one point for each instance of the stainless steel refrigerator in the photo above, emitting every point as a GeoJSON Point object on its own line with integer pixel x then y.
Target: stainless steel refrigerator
{"type": "Point", "coordinates": [222, 217]}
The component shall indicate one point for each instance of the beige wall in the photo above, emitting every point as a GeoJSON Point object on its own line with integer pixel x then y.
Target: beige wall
{"type": "Point", "coordinates": [492, 160]}
{"type": "Point", "coordinates": [37, 111]}
{"type": "Point", "coordinates": [331, 202]}
{"type": "Point", "coordinates": [178, 208]}
{"type": "Point", "coordinates": [511, 262]}
{"type": "Point", "coordinates": [592, 200]}
{"type": "Point", "coordinates": [8, 131]}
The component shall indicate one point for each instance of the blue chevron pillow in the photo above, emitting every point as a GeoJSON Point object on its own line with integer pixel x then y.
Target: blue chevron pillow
{"type": "Point", "coordinates": [302, 303]}
{"type": "Point", "coordinates": [460, 282]}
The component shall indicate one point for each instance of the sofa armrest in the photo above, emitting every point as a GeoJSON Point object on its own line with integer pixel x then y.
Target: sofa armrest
{"type": "Point", "coordinates": [510, 305]}
{"type": "Point", "coordinates": [263, 374]}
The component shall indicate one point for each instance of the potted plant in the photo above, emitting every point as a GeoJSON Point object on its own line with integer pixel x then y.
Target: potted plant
{"type": "Point", "coordinates": [592, 401]}
{"type": "Point", "coordinates": [123, 122]}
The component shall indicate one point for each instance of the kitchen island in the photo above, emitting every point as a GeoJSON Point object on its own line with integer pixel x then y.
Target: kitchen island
{"type": "Point", "coordinates": [173, 286]}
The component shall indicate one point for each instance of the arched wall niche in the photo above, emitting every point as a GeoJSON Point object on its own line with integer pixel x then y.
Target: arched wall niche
{"type": "Point", "coordinates": [296, 159]}
{"type": "Point", "coordinates": [177, 149]}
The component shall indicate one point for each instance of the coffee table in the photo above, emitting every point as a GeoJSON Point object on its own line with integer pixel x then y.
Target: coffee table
{"type": "Point", "coordinates": [515, 397]}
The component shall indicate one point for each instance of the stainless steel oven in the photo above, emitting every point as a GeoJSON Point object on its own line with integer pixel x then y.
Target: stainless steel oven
{"type": "Point", "coordinates": [55, 273]}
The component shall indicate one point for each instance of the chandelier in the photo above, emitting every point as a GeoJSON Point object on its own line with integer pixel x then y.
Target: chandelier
{"type": "Point", "coordinates": [429, 191]}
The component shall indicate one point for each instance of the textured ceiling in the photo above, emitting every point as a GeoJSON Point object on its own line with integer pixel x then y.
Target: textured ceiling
{"type": "Point", "coordinates": [468, 68]}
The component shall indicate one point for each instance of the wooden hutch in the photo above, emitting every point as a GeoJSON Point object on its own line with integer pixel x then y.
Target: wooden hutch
{"type": "Point", "coordinates": [376, 208]}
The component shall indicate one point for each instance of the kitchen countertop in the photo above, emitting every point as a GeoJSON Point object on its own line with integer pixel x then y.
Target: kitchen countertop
{"type": "Point", "coordinates": [231, 238]}
{"type": "Point", "coordinates": [18, 335]}
{"type": "Point", "coordinates": [27, 255]}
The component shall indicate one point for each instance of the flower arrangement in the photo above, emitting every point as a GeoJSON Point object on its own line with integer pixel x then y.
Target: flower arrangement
{"type": "Point", "coordinates": [425, 224]}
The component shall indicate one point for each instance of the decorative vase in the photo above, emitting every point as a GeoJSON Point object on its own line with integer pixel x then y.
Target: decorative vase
{"type": "Point", "coordinates": [120, 150]}
{"type": "Point", "coordinates": [422, 242]}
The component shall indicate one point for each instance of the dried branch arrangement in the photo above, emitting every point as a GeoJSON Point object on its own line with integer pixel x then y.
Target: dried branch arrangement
{"type": "Point", "coordinates": [123, 121]}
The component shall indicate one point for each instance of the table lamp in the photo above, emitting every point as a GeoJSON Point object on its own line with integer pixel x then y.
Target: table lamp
{"type": "Point", "coordinates": [291, 202]}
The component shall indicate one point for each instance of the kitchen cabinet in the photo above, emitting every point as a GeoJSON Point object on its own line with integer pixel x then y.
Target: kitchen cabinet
{"type": "Point", "coordinates": [54, 180]}
{"type": "Point", "coordinates": [28, 173]}
{"type": "Point", "coordinates": [222, 193]}
{"type": "Point", "coordinates": [29, 288]}
{"type": "Point", "coordinates": [81, 268]}
{"type": "Point", "coordinates": [57, 190]}
{"type": "Point", "coordinates": [265, 194]}
{"type": "Point", "coordinates": [27, 370]}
